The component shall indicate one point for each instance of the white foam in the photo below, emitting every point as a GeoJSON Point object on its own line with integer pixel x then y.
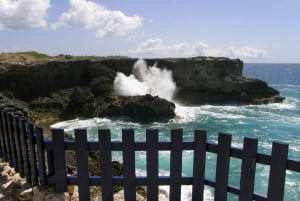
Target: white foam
{"type": "Point", "coordinates": [289, 104]}
{"type": "Point", "coordinates": [185, 114]}
{"type": "Point", "coordinates": [146, 80]}
{"type": "Point", "coordinates": [186, 191]}
{"type": "Point", "coordinates": [129, 85]}
{"type": "Point", "coordinates": [81, 123]}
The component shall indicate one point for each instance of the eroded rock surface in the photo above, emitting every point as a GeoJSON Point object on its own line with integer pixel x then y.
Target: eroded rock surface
{"type": "Point", "coordinates": [59, 90]}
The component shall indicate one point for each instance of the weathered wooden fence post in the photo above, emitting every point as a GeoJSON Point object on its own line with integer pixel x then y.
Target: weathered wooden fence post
{"type": "Point", "coordinates": [248, 169]}
{"type": "Point", "coordinates": [222, 170]}
{"type": "Point", "coordinates": [41, 155]}
{"type": "Point", "coordinates": [60, 160]}
{"type": "Point", "coordinates": [6, 138]}
{"type": "Point", "coordinates": [12, 144]}
{"type": "Point", "coordinates": [106, 170]}
{"type": "Point", "coordinates": [25, 152]}
{"type": "Point", "coordinates": [82, 164]}
{"type": "Point", "coordinates": [129, 164]}
{"type": "Point", "coordinates": [32, 153]}
{"type": "Point", "coordinates": [277, 171]}
{"type": "Point", "coordinates": [152, 164]}
{"type": "Point", "coordinates": [20, 160]}
{"type": "Point", "coordinates": [176, 164]}
{"type": "Point", "coordinates": [200, 138]}
{"type": "Point", "coordinates": [2, 142]}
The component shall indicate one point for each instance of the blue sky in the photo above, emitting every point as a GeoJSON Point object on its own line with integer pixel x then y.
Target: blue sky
{"type": "Point", "coordinates": [252, 30]}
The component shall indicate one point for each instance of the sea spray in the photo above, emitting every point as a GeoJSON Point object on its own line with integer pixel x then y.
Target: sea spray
{"type": "Point", "coordinates": [267, 123]}
{"type": "Point", "coordinates": [146, 80]}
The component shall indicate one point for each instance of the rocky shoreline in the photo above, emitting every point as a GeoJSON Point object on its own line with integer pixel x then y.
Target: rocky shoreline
{"type": "Point", "coordinates": [56, 90]}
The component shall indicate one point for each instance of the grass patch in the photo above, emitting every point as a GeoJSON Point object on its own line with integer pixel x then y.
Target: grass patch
{"type": "Point", "coordinates": [34, 54]}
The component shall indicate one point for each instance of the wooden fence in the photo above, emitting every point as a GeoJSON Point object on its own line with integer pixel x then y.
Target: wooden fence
{"type": "Point", "coordinates": [43, 161]}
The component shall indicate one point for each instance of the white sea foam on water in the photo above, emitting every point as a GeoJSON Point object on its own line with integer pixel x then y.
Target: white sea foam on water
{"type": "Point", "coordinates": [186, 193]}
{"type": "Point", "coordinates": [288, 104]}
{"type": "Point", "coordinates": [186, 190]}
{"type": "Point", "coordinates": [219, 114]}
{"type": "Point", "coordinates": [146, 80]}
{"type": "Point", "coordinates": [185, 114]}
{"type": "Point", "coordinates": [80, 123]}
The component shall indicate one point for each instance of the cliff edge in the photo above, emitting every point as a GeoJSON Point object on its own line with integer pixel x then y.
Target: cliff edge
{"type": "Point", "coordinates": [208, 80]}
{"type": "Point", "coordinates": [61, 89]}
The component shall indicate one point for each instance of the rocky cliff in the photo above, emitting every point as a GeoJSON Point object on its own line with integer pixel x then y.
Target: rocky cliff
{"type": "Point", "coordinates": [59, 90]}
{"type": "Point", "coordinates": [208, 80]}
{"type": "Point", "coordinates": [73, 88]}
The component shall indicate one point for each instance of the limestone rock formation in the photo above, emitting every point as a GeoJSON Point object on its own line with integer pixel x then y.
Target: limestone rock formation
{"type": "Point", "coordinates": [147, 108]}
{"type": "Point", "coordinates": [205, 80]}
{"type": "Point", "coordinates": [208, 80]}
{"type": "Point", "coordinates": [60, 90]}
{"type": "Point", "coordinates": [66, 90]}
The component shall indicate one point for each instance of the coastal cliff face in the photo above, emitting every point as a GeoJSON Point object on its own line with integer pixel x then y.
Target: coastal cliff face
{"type": "Point", "coordinates": [62, 90]}
{"type": "Point", "coordinates": [208, 80]}
{"type": "Point", "coordinates": [69, 89]}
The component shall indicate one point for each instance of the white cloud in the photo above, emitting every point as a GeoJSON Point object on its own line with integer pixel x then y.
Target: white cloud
{"type": "Point", "coordinates": [23, 14]}
{"type": "Point", "coordinates": [91, 15]}
{"type": "Point", "coordinates": [246, 52]}
{"type": "Point", "coordinates": [157, 48]}
{"type": "Point", "coordinates": [151, 46]}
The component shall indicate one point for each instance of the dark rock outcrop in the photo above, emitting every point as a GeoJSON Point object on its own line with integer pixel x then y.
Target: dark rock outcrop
{"type": "Point", "coordinates": [67, 89]}
{"type": "Point", "coordinates": [205, 80]}
{"type": "Point", "coordinates": [81, 103]}
{"type": "Point", "coordinates": [147, 108]}
{"type": "Point", "coordinates": [10, 104]}
{"type": "Point", "coordinates": [208, 80]}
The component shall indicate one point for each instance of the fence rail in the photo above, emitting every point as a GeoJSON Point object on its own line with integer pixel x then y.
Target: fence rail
{"type": "Point", "coordinates": [43, 161]}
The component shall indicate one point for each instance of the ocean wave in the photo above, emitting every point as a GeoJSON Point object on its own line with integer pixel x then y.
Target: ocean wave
{"type": "Point", "coordinates": [222, 114]}
{"type": "Point", "coordinates": [70, 125]}
{"type": "Point", "coordinates": [93, 122]}
{"type": "Point", "coordinates": [185, 114]}
{"type": "Point", "coordinates": [289, 104]}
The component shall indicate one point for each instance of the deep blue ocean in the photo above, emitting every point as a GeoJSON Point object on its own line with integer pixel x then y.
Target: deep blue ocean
{"type": "Point", "coordinates": [268, 123]}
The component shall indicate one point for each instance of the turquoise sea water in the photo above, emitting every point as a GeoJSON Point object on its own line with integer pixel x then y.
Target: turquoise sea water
{"type": "Point", "coordinates": [267, 123]}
